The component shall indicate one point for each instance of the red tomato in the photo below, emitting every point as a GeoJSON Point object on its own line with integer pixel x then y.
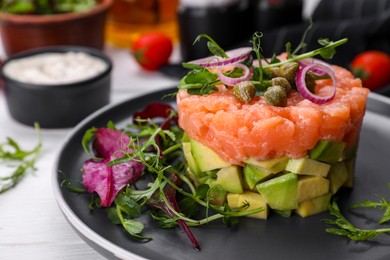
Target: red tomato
{"type": "Point", "coordinates": [373, 67]}
{"type": "Point", "coordinates": [152, 50]}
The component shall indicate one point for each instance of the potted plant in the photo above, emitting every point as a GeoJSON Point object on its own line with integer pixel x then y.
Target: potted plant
{"type": "Point", "coordinates": [27, 24]}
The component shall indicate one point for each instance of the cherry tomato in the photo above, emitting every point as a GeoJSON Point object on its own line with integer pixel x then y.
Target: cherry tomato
{"type": "Point", "coordinates": [373, 67]}
{"type": "Point", "coordinates": [152, 50]}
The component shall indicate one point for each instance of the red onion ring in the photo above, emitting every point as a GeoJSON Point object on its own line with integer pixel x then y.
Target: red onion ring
{"type": "Point", "coordinates": [305, 92]}
{"type": "Point", "coordinates": [237, 55]}
{"type": "Point", "coordinates": [305, 62]}
{"type": "Point", "coordinates": [233, 81]}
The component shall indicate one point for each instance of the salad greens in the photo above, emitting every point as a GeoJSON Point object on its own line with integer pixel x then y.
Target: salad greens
{"type": "Point", "coordinates": [163, 190]}
{"type": "Point", "coordinates": [22, 160]}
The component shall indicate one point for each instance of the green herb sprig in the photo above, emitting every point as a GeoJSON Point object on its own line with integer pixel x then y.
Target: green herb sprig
{"type": "Point", "coordinates": [383, 204]}
{"type": "Point", "coordinates": [11, 153]}
{"type": "Point", "coordinates": [345, 228]}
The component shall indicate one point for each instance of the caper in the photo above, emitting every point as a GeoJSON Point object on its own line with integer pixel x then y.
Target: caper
{"type": "Point", "coordinates": [273, 72]}
{"type": "Point", "coordinates": [310, 81]}
{"type": "Point", "coordinates": [276, 96]}
{"type": "Point", "coordinates": [283, 82]}
{"type": "Point", "coordinates": [244, 91]}
{"type": "Point", "coordinates": [289, 71]}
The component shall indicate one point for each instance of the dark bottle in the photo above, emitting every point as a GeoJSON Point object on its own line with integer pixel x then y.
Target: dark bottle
{"type": "Point", "coordinates": [228, 22]}
{"type": "Point", "coordinates": [270, 14]}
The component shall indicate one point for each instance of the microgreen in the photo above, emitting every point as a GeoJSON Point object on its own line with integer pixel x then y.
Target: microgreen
{"type": "Point", "coordinates": [200, 82]}
{"type": "Point", "coordinates": [22, 160]}
{"type": "Point", "coordinates": [345, 228]}
{"type": "Point", "coordinates": [165, 191]}
{"type": "Point", "coordinates": [383, 204]}
{"type": "Point", "coordinates": [214, 48]}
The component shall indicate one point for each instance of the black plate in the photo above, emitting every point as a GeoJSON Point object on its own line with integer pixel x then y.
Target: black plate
{"type": "Point", "coordinates": [276, 238]}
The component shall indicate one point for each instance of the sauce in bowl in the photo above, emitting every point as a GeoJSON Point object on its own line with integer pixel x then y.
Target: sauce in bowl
{"type": "Point", "coordinates": [55, 68]}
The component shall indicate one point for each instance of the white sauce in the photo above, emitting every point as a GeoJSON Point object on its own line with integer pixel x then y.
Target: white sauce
{"type": "Point", "coordinates": [55, 68]}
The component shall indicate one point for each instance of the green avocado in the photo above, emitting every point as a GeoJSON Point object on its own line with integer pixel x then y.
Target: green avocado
{"type": "Point", "coordinates": [190, 159]}
{"type": "Point", "coordinates": [314, 206]}
{"type": "Point", "coordinates": [307, 166]}
{"type": "Point", "coordinates": [272, 165]}
{"type": "Point", "coordinates": [328, 152]}
{"type": "Point", "coordinates": [254, 174]}
{"type": "Point", "coordinates": [310, 187]}
{"type": "Point", "coordinates": [254, 199]}
{"type": "Point", "coordinates": [230, 178]}
{"type": "Point", "coordinates": [338, 175]}
{"type": "Point", "coordinates": [280, 192]}
{"type": "Point", "coordinates": [205, 158]}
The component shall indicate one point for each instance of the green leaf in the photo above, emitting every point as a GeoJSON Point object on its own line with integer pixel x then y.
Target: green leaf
{"type": "Point", "coordinates": [71, 187]}
{"type": "Point", "coordinates": [214, 48]}
{"type": "Point", "coordinates": [111, 125]}
{"type": "Point", "coordinates": [87, 138]}
{"type": "Point", "coordinates": [191, 66]}
{"type": "Point", "coordinates": [200, 76]}
{"type": "Point", "coordinates": [328, 53]}
{"type": "Point", "coordinates": [202, 91]}
{"type": "Point", "coordinates": [288, 50]}
{"type": "Point", "coordinates": [113, 215]}
{"type": "Point", "coordinates": [134, 228]}
{"type": "Point", "coordinates": [386, 216]}
{"type": "Point", "coordinates": [128, 205]}
{"type": "Point", "coordinates": [188, 206]}
{"type": "Point", "coordinates": [324, 42]}
{"type": "Point", "coordinates": [202, 191]}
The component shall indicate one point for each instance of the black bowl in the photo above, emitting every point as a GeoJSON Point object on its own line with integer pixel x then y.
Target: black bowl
{"type": "Point", "coordinates": [57, 106]}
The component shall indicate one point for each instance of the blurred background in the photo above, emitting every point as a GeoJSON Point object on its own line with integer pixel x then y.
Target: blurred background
{"type": "Point", "coordinates": [230, 22]}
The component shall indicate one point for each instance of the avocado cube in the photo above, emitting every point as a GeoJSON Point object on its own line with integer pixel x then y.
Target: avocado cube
{"type": "Point", "coordinates": [190, 159]}
{"type": "Point", "coordinates": [314, 206]}
{"type": "Point", "coordinates": [230, 178]}
{"type": "Point", "coordinates": [232, 200]}
{"type": "Point", "coordinates": [338, 175]}
{"type": "Point", "coordinates": [254, 174]}
{"type": "Point", "coordinates": [272, 165]}
{"type": "Point", "coordinates": [310, 187]}
{"type": "Point", "coordinates": [280, 192]}
{"type": "Point", "coordinates": [254, 199]}
{"type": "Point", "coordinates": [307, 166]}
{"type": "Point", "coordinates": [328, 152]}
{"type": "Point", "coordinates": [350, 164]}
{"type": "Point", "coordinates": [205, 158]}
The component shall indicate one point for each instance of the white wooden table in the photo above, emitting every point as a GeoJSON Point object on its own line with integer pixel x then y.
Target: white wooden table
{"type": "Point", "coordinates": [31, 224]}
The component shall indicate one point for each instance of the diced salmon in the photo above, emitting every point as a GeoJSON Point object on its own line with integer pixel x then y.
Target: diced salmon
{"type": "Point", "coordinates": [237, 131]}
